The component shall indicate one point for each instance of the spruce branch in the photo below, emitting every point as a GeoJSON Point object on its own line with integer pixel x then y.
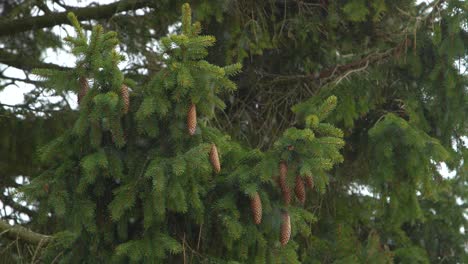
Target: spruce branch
{"type": "Point", "coordinates": [10, 27]}
{"type": "Point", "coordinates": [339, 72]}
{"type": "Point", "coordinates": [15, 232]}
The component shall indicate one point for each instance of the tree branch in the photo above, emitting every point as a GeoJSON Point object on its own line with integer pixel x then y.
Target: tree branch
{"type": "Point", "coordinates": [22, 233]}
{"type": "Point", "coordinates": [346, 69]}
{"type": "Point", "coordinates": [10, 27]}
{"type": "Point", "coordinates": [25, 63]}
{"type": "Point", "coordinates": [330, 74]}
{"type": "Point", "coordinates": [338, 72]}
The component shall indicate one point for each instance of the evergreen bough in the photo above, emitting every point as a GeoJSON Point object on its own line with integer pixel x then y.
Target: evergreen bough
{"type": "Point", "coordinates": [129, 183]}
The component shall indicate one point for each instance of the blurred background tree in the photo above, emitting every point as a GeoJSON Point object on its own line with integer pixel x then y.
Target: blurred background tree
{"type": "Point", "coordinates": [397, 69]}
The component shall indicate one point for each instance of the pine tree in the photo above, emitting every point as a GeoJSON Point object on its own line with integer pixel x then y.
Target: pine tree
{"type": "Point", "coordinates": [156, 172]}
{"type": "Point", "coordinates": [131, 176]}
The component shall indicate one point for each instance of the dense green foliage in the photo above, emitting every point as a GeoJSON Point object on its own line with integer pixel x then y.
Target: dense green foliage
{"type": "Point", "coordinates": [355, 94]}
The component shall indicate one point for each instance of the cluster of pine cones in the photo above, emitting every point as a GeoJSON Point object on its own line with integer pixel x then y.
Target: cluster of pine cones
{"type": "Point", "coordinates": [191, 117]}
{"type": "Point", "coordinates": [192, 127]}
{"type": "Point", "coordinates": [255, 201]}
{"type": "Point", "coordinates": [256, 204]}
{"type": "Point", "coordinates": [300, 192]}
{"type": "Point", "coordinates": [299, 188]}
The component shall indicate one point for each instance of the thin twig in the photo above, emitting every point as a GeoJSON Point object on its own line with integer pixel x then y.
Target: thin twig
{"type": "Point", "coordinates": [199, 236]}
{"type": "Point", "coordinates": [351, 72]}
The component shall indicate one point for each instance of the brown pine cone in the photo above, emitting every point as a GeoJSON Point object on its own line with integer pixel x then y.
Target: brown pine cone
{"type": "Point", "coordinates": [285, 232]}
{"type": "Point", "coordinates": [192, 119]}
{"type": "Point", "coordinates": [286, 192]}
{"type": "Point", "coordinates": [214, 158]}
{"type": "Point", "coordinates": [125, 98]}
{"type": "Point", "coordinates": [300, 189]}
{"type": "Point", "coordinates": [84, 87]}
{"type": "Point", "coordinates": [309, 182]}
{"type": "Point", "coordinates": [46, 187]}
{"type": "Point", "coordinates": [256, 206]}
{"type": "Point", "coordinates": [283, 169]}
{"type": "Point", "coordinates": [282, 182]}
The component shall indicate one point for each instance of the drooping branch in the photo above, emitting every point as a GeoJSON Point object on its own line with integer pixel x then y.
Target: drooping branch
{"type": "Point", "coordinates": [10, 27]}
{"type": "Point", "coordinates": [336, 72]}
{"type": "Point", "coordinates": [19, 232]}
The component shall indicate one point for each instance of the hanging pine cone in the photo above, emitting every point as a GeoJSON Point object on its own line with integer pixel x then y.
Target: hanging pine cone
{"type": "Point", "coordinates": [84, 87]}
{"type": "Point", "coordinates": [285, 232]}
{"type": "Point", "coordinates": [300, 189]}
{"type": "Point", "coordinates": [192, 119]}
{"type": "Point", "coordinates": [125, 98]}
{"type": "Point", "coordinates": [214, 158]}
{"type": "Point", "coordinates": [282, 182]}
{"type": "Point", "coordinates": [283, 169]}
{"type": "Point", "coordinates": [285, 191]}
{"type": "Point", "coordinates": [256, 206]}
{"type": "Point", "coordinates": [46, 187]}
{"type": "Point", "coordinates": [309, 182]}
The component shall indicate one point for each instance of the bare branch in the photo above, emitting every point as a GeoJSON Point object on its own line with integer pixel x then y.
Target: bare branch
{"type": "Point", "coordinates": [10, 27]}
{"type": "Point", "coordinates": [25, 63]}
{"type": "Point", "coordinates": [19, 232]}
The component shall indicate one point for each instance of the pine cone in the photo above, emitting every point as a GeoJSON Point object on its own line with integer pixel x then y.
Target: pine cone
{"type": "Point", "coordinates": [84, 87]}
{"type": "Point", "coordinates": [256, 206]}
{"type": "Point", "coordinates": [285, 191]}
{"type": "Point", "coordinates": [214, 158]}
{"type": "Point", "coordinates": [309, 182]}
{"type": "Point", "coordinates": [192, 119]}
{"type": "Point", "coordinates": [300, 189]}
{"type": "Point", "coordinates": [282, 182]}
{"type": "Point", "coordinates": [285, 232]}
{"type": "Point", "coordinates": [46, 187]}
{"type": "Point", "coordinates": [125, 98]}
{"type": "Point", "coordinates": [283, 169]}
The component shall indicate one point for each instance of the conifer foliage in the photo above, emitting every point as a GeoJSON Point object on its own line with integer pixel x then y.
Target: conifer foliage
{"type": "Point", "coordinates": [174, 159]}
{"type": "Point", "coordinates": [128, 183]}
